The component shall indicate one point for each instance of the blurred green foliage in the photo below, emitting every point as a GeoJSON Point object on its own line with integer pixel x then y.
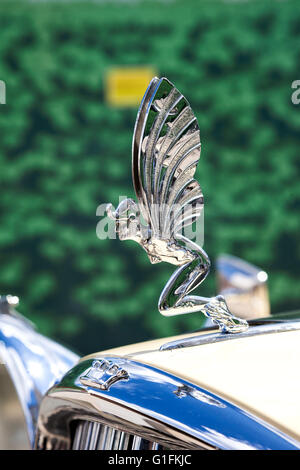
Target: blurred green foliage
{"type": "Point", "coordinates": [63, 151]}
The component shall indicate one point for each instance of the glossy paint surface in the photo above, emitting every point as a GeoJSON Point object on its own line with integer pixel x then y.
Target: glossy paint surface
{"type": "Point", "coordinates": [254, 370]}
{"type": "Point", "coordinates": [175, 402]}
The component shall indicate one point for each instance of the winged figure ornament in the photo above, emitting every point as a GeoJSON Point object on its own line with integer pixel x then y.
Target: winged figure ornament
{"type": "Point", "coordinates": [165, 153]}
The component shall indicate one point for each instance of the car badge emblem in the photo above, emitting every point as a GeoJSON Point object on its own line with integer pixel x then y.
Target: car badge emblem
{"type": "Point", "coordinates": [165, 154]}
{"type": "Point", "coordinates": [103, 374]}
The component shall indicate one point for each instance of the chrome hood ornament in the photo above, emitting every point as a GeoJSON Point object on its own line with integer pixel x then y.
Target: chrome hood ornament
{"type": "Point", "coordinates": [165, 154]}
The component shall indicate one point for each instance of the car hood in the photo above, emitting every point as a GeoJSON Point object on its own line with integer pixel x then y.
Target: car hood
{"type": "Point", "coordinates": [257, 370]}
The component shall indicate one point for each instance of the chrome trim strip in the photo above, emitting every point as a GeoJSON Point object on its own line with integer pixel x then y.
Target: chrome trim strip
{"type": "Point", "coordinates": [124, 441]}
{"type": "Point", "coordinates": [216, 337]}
{"type": "Point", "coordinates": [94, 436]}
{"type": "Point", "coordinates": [78, 435]}
{"type": "Point", "coordinates": [103, 437]}
{"type": "Point", "coordinates": [116, 443]}
{"type": "Point", "coordinates": [109, 438]}
{"type": "Point", "coordinates": [136, 443]}
{"type": "Point", "coordinates": [88, 433]}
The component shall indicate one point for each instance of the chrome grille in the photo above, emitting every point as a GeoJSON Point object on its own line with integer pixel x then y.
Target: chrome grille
{"type": "Point", "coordinates": [97, 436]}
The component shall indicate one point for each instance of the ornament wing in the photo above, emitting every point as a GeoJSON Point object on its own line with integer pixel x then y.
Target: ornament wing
{"type": "Point", "coordinates": [165, 154]}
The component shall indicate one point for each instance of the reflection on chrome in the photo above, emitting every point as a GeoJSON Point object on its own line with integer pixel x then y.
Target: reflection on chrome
{"type": "Point", "coordinates": [244, 286]}
{"type": "Point", "coordinates": [185, 390]}
{"type": "Point", "coordinates": [34, 363]}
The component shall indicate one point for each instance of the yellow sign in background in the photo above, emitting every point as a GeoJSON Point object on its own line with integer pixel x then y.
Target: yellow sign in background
{"type": "Point", "coordinates": [125, 86]}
